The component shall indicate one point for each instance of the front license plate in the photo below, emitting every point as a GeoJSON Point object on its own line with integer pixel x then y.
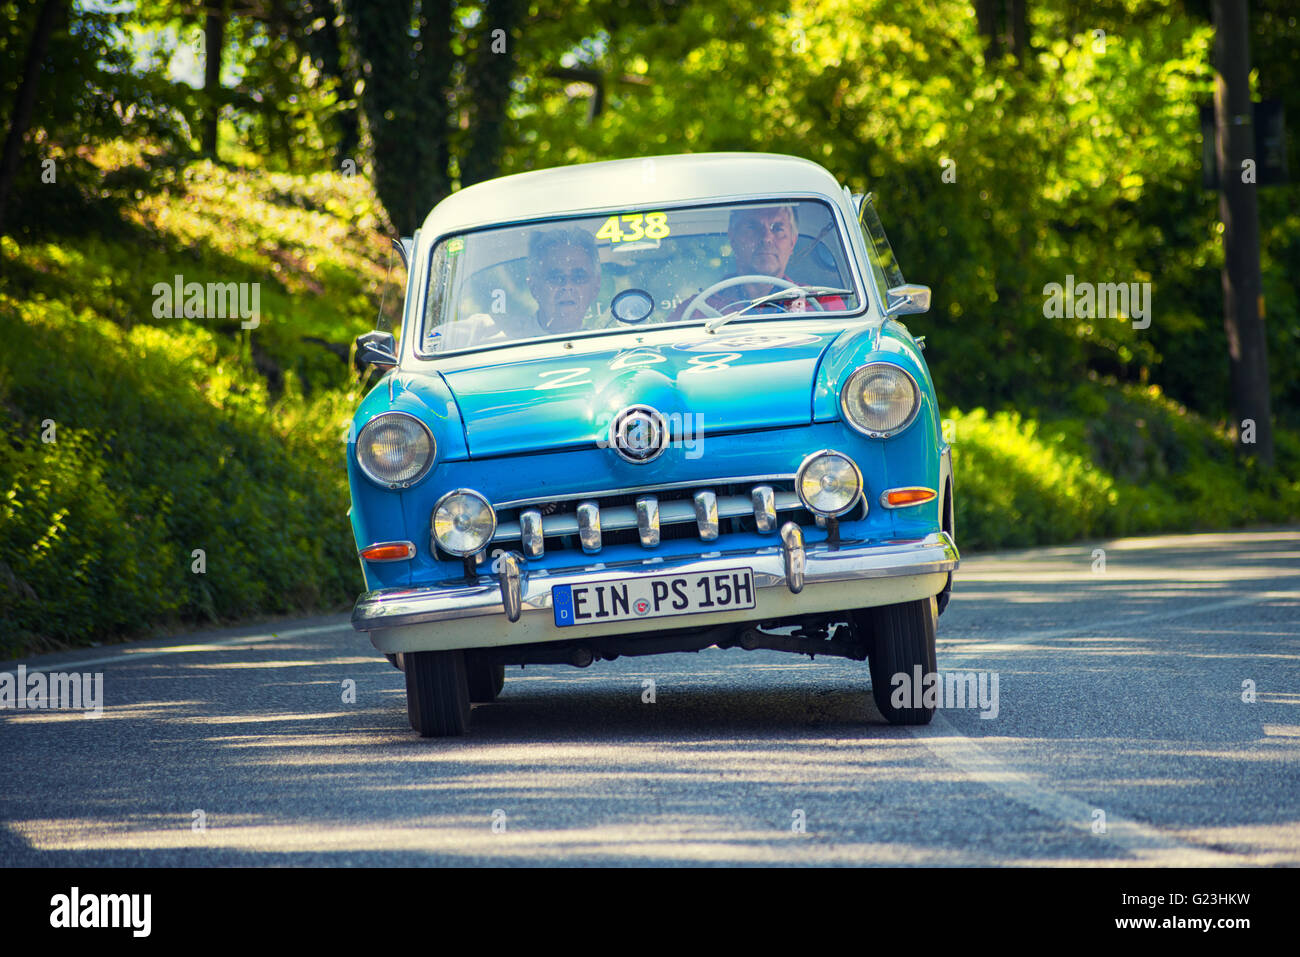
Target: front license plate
{"type": "Point", "coordinates": [659, 596]}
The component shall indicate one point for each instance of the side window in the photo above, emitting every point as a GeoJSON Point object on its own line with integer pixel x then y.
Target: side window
{"type": "Point", "coordinates": [884, 264]}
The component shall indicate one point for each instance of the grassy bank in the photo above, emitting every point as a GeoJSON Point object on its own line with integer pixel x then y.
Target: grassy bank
{"type": "Point", "coordinates": [161, 470]}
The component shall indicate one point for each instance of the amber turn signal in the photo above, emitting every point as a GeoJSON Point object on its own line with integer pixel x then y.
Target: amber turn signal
{"type": "Point", "coordinates": [899, 497]}
{"type": "Point", "coordinates": [388, 552]}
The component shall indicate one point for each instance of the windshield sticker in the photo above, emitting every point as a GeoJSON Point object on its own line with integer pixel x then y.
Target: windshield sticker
{"type": "Point", "coordinates": [630, 227]}
{"type": "Point", "coordinates": [455, 245]}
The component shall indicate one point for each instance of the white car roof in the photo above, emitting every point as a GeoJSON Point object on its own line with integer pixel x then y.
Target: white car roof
{"type": "Point", "coordinates": [629, 183]}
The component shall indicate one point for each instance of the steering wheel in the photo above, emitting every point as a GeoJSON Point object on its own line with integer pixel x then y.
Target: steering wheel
{"type": "Point", "coordinates": [701, 304]}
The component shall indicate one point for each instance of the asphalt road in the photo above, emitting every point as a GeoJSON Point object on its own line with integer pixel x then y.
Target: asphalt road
{"type": "Point", "coordinates": [1120, 703]}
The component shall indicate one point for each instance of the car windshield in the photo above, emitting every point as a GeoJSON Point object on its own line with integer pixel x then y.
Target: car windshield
{"type": "Point", "coordinates": [583, 276]}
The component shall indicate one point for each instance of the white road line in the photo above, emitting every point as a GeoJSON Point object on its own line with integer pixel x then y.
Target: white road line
{"type": "Point", "coordinates": [1080, 630]}
{"type": "Point", "coordinates": [129, 657]}
{"type": "Point", "coordinates": [1148, 845]}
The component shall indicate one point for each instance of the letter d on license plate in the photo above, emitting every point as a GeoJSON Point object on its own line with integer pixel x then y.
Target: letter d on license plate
{"type": "Point", "coordinates": [658, 596]}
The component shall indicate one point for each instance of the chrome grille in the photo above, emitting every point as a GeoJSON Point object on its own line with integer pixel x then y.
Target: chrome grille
{"type": "Point", "coordinates": [649, 516]}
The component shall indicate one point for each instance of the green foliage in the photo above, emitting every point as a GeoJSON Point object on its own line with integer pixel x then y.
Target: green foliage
{"type": "Point", "coordinates": [313, 245]}
{"type": "Point", "coordinates": [1016, 485]}
{"type": "Point", "coordinates": [76, 555]}
{"type": "Point", "coordinates": [161, 446]}
{"type": "Point", "coordinates": [174, 434]}
{"type": "Point", "coordinates": [1135, 463]}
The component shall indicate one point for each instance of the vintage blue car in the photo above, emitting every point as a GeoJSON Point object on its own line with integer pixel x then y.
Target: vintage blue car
{"type": "Point", "coordinates": [646, 406]}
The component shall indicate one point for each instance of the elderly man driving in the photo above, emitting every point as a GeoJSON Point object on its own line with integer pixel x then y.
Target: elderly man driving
{"type": "Point", "coordinates": [762, 240]}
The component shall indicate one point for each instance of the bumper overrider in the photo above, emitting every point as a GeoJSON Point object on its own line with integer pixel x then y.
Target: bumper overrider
{"type": "Point", "coordinates": [513, 606]}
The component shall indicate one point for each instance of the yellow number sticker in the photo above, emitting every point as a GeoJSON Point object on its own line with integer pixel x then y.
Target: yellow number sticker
{"type": "Point", "coordinates": [610, 230]}
{"type": "Point", "coordinates": [634, 221]}
{"type": "Point", "coordinates": [655, 227]}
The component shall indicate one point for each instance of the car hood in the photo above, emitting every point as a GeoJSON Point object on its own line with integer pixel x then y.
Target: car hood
{"type": "Point", "coordinates": [530, 399]}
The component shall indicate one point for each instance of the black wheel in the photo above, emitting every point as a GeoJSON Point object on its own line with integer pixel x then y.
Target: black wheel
{"type": "Point", "coordinates": [486, 679]}
{"type": "Point", "coordinates": [901, 637]}
{"type": "Point", "coordinates": [437, 692]}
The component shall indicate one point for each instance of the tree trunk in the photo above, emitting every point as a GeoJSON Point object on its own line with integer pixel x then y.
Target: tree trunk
{"type": "Point", "coordinates": [1004, 26]}
{"type": "Point", "coordinates": [214, 38]}
{"type": "Point", "coordinates": [406, 102]}
{"type": "Point", "coordinates": [26, 99]}
{"type": "Point", "coordinates": [1234, 135]}
{"type": "Point", "coordinates": [1018, 29]}
{"type": "Point", "coordinates": [987, 24]}
{"type": "Point", "coordinates": [348, 122]}
{"type": "Point", "coordinates": [489, 89]}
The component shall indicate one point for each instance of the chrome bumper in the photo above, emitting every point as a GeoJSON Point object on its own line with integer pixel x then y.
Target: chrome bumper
{"type": "Point", "coordinates": [516, 590]}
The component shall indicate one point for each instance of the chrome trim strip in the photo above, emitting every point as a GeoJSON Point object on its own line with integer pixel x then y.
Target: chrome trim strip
{"type": "Point", "coordinates": [706, 515]}
{"type": "Point", "coordinates": [589, 526]}
{"type": "Point", "coordinates": [530, 532]}
{"type": "Point", "coordinates": [851, 560]}
{"type": "Point", "coordinates": [764, 501]}
{"type": "Point", "coordinates": [792, 556]}
{"type": "Point", "coordinates": [638, 489]}
{"type": "Point", "coordinates": [647, 520]}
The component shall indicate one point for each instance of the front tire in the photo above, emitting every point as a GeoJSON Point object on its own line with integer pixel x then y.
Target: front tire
{"type": "Point", "coordinates": [486, 679]}
{"type": "Point", "coordinates": [901, 637]}
{"type": "Point", "coordinates": [437, 693]}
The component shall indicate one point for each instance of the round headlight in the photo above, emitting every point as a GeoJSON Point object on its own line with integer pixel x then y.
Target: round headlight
{"type": "Point", "coordinates": [880, 399]}
{"type": "Point", "coordinates": [828, 483]}
{"type": "Point", "coordinates": [395, 449]}
{"type": "Point", "coordinates": [463, 522]}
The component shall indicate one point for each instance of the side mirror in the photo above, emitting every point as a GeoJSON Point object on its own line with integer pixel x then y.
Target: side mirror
{"type": "Point", "coordinates": [376, 349]}
{"type": "Point", "coordinates": [907, 300]}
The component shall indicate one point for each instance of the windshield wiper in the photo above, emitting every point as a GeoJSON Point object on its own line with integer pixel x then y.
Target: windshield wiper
{"type": "Point", "coordinates": [791, 292]}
